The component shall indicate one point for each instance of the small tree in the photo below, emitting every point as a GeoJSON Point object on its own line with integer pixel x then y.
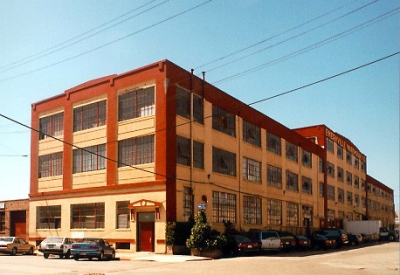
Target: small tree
{"type": "Point", "coordinates": [203, 236]}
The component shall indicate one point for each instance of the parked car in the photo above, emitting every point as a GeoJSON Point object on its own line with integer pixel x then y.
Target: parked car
{"type": "Point", "coordinates": [320, 241]}
{"type": "Point", "coordinates": [355, 239]}
{"type": "Point", "coordinates": [288, 240]}
{"type": "Point", "coordinates": [241, 245]}
{"type": "Point", "coordinates": [60, 246]}
{"type": "Point", "coordinates": [269, 239]}
{"type": "Point", "coordinates": [92, 248]}
{"type": "Point", "coordinates": [393, 235]}
{"type": "Point", "coordinates": [302, 242]}
{"type": "Point", "coordinates": [14, 245]}
{"type": "Point", "coordinates": [339, 235]}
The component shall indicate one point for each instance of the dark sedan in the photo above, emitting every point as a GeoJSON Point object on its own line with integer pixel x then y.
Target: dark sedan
{"type": "Point", "coordinates": [302, 242]}
{"type": "Point", "coordinates": [321, 242]}
{"type": "Point", "coordinates": [241, 245]}
{"type": "Point", "coordinates": [288, 240]}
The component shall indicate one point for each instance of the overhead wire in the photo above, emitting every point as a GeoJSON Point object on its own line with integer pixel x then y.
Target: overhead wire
{"type": "Point", "coordinates": [255, 102]}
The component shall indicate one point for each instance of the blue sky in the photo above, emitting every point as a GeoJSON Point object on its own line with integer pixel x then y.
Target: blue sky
{"type": "Point", "coordinates": [47, 47]}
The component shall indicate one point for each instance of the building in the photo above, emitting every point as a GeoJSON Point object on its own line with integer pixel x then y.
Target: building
{"type": "Point", "coordinates": [119, 156]}
{"type": "Point", "coordinates": [14, 218]}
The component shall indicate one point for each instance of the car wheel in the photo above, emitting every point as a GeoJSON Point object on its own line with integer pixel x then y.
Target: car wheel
{"type": "Point", "coordinates": [101, 256]}
{"type": "Point", "coordinates": [14, 251]}
{"type": "Point", "coordinates": [46, 255]}
{"type": "Point", "coordinates": [391, 238]}
{"type": "Point", "coordinates": [30, 252]}
{"type": "Point", "coordinates": [67, 255]}
{"type": "Point", "coordinates": [112, 256]}
{"type": "Point", "coordinates": [61, 255]}
{"type": "Point", "coordinates": [316, 247]}
{"type": "Point", "coordinates": [353, 243]}
{"type": "Point", "coordinates": [90, 258]}
{"type": "Point", "coordinates": [76, 257]}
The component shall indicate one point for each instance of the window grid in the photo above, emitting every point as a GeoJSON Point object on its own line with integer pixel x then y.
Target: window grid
{"type": "Point", "coordinates": [136, 103]}
{"type": "Point", "coordinates": [340, 195]}
{"type": "Point", "coordinates": [274, 144]}
{"type": "Point", "coordinates": [187, 203]}
{"type": "Point", "coordinates": [90, 116]}
{"type": "Point", "coordinates": [123, 214]}
{"type": "Point", "coordinates": [306, 158]}
{"type": "Point", "coordinates": [331, 169]}
{"type": "Point", "coordinates": [292, 181]}
{"type": "Point", "coordinates": [252, 210]}
{"type": "Point", "coordinates": [223, 121]}
{"type": "Point", "coordinates": [292, 214]}
{"type": "Point", "coordinates": [306, 186]}
{"type": "Point", "coordinates": [87, 216]}
{"type": "Point", "coordinates": [89, 159]}
{"type": "Point", "coordinates": [274, 176]}
{"type": "Point", "coordinates": [224, 162]}
{"type": "Point", "coordinates": [330, 145]}
{"type": "Point", "coordinates": [292, 151]}
{"type": "Point", "coordinates": [251, 133]}
{"type": "Point", "coordinates": [48, 217]}
{"type": "Point", "coordinates": [51, 126]}
{"type": "Point", "coordinates": [136, 151]}
{"type": "Point", "coordinates": [340, 174]}
{"type": "Point", "coordinates": [50, 165]}
{"type": "Point", "coordinates": [2, 221]}
{"type": "Point", "coordinates": [224, 207]}
{"type": "Point", "coordinates": [251, 170]}
{"type": "Point", "coordinates": [331, 192]}
{"type": "Point", "coordinates": [274, 212]}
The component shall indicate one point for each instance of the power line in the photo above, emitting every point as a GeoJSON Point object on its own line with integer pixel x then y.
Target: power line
{"type": "Point", "coordinates": [253, 103]}
{"type": "Point", "coordinates": [64, 44]}
{"type": "Point", "coordinates": [109, 43]}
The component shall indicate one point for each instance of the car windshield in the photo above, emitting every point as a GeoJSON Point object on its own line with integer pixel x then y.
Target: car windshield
{"type": "Point", "coordinates": [6, 239]}
{"type": "Point", "coordinates": [90, 240]}
{"type": "Point", "coordinates": [266, 235]}
{"type": "Point", "coordinates": [53, 239]}
{"type": "Point", "coordinates": [241, 239]}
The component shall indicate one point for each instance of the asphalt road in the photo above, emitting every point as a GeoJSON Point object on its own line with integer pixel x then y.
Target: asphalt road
{"type": "Point", "coordinates": [378, 259]}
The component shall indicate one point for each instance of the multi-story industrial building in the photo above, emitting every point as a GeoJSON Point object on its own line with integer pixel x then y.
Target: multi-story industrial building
{"type": "Point", "coordinates": [119, 156]}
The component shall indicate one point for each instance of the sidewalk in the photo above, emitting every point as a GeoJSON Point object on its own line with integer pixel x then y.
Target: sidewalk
{"type": "Point", "coordinates": [153, 257]}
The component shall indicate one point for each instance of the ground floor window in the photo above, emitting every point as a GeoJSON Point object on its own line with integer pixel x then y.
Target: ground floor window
{"type": "Point", "coordinates": [2, 221]}
{"type": "Point", "coordinates": [123, 213]}
{"type": "Point", "coordinates": [252, 210]}
{"type": "Point", "coordinates": [187, 203]}
{"type": "Point", "coordinates": [87, 216]}
{"type": "Point", "coordinates": [274, 212]}
{"type": "Point", "coordinates": [48, 217]}
{"type": "Point", "coordinates": [292, 214]}
{"type": "Point", "coordinates": [224, 207]}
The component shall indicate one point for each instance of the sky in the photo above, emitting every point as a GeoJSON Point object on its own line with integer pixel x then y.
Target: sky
{"type": "Point", "coordinates": [250, 49]}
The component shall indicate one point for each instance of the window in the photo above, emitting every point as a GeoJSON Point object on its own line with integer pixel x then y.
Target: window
{"type": "Point", "coordinates": [363, 166]}
{"type": "Point", "coordinates": [251, 133]}
{"type": "Point", "coordinates": [321, 165]}
{"type": "Point", "coordinates": [340, 174]}
{"type": "Point", "coordinates": [274, 144]}
{"type": "Point", "coordinates": [349, 198]}
{"type": "Point", "coordinates": [356, 162]}
{"type": "Point", "coordinates": [50, 165]}
{"type": "Point", "coordinates": [357, 200]}
{"type": "Point", "coordinates": [123, 214]}
{"type": "Point", "coordinates": [274, 176]}
{"type": "Point", "coordinates": [183, 105]}
{"type": "Point", "coordinates": [339, 151]}
{"type": "Point", "coordinates": [340, 195]}
{"type": "Point", "coordinates": [306, 158]}
{"type": "Point", "coordinates": [356, 182]}
{"type": "Point", "coordinates": [331, 169]}
{"type": "Point", "coordinates": [187, 203]}
{"type": "Point", "coordinates": [183, 153]}
{"type": "Point", "coordinates": [51, 126]}
{"type": "Point", "coordinates": [330, 215]}
{"type": "Point", "coordinates": [2, 221]}
{"type": "Point", "coordinates": [292, 182]}
{"type": "Point", "coordinates": [87, 216]}
{"type": "Point", "coordinates": [321, 189]}
{"type": "Point", "coordinates": [306, 186]}
{"type": "Point", "coordinates": [90, 116]}
{"type": "Point", "coordinates": [223, 121]}
{"type": "Point", "coordinates": [136, 103]}
{"type": "Point", "coordinates": [330, 145]}
{"type": "Point", "coordinates": [89, 159]}
{"type": "Point", "coordinates": [136, 151]}
{"type": "Point", "coordinates": [252, 210]}
{"type": "Point", "coordinates": [331, 192]}
{"type": "Point", "coordinates": [348, 157]}
{"type": "Point", "coordinates": [349, 178]}
{"type": "Point", "coordinates": [291, 151]}
{"type": "Point", "coordinates": [224, 162]}
{"type": "Point", "coordinates": [224, 207]}
{"type": "Point", "coordinates": [251, 170]}
{"type": "Point", "coordinates": [274, 212]}
{"type": "Point", "coordinates": [292, 214]}
{"type": "Point", "coordinates": [48, 217]}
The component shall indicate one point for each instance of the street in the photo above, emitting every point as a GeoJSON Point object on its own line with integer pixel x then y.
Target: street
{"type": "Point", "coordinates": [378, 259]}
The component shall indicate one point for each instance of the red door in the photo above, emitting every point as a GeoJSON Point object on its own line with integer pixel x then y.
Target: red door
{"type": "Point", "coordinates": [146, 236]}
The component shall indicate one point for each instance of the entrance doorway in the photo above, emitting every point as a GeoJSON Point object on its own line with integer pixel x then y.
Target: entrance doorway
{"type": "Point", "coordinates": [145, 231]}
